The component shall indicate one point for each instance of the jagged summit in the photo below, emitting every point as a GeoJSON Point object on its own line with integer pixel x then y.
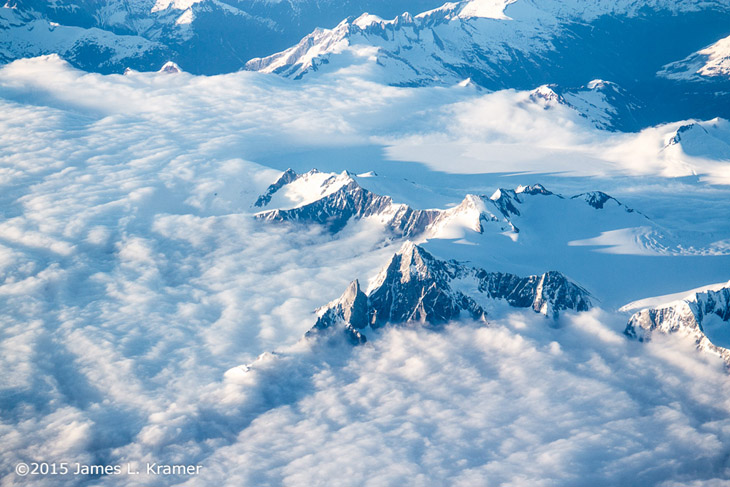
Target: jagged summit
{"type": "Point", "coordinates": [703, 316]}
{"type": "Point", "coordinates": [416, 287]}
{"type": "Point", "coordinates": [507, 201]}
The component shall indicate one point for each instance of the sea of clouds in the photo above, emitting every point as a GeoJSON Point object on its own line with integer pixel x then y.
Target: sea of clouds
{"type": "Point", "coordinates": [134, 281]}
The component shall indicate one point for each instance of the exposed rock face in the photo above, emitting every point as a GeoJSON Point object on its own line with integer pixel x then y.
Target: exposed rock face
{"type": "Point", "coordinates": [416, 287]}
{"type": "Point", "coordinates": [334, 200]}
{"type": "Point", "coordinates": [508, 200]}
{"type": "Point", "coordinates": [705, 317]}
{"type": "Point", "coordinates": [286, 178]}
{"type": "Point", "coordinates": [599, 199]}
{"type": "Point", "coordinates": [352, 201]}
{"type": "Point", "coordinates": [351, 310]}
{"type": "Point", "coordinates": [548, 293]}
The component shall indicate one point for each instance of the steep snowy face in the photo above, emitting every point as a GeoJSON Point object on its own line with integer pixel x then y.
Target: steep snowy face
{"type": "Point", "coordinates": [416, 287]}
{"type": "Point", "coordinates": [703, 316]}
{"type": "Point", "coordinates": [709, 64]}
{"type": "Point", "coordinates": [605, 104]}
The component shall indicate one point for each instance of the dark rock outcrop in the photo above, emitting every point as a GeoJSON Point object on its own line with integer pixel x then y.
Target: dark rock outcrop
{"type": "Point", "coordinates": [286, 178]}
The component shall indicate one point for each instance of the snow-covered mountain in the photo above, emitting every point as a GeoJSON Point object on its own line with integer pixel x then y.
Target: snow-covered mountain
{"type": "Point", "coordinates": [203, 36]}
{"type": "Point", "coordinates": [528, 216]}
{"type": "Point", "coordinates": [483, 38]}
{"type": "Point", "coordinates": [492, 43]}
{"type": "Point", "coordinates": [703, 316]}
{"type": "Point", "coordinates": [142, 256]}
{"type": "Point", "coordinates": [334, 199]}
{"type": "Point", "coordinates": [709, 64]}
{"type": "Point", "coordinates": [495, 43]}
{"type": "Point", "coordinates": [519, 44]}
{"type": "Point", "coordinates": [417, 287]}
{"type": "Point", "coordinates": [700, 139]}
{"type": "Point", "coordinates": [605, 104]}
{"type": "Point", "coordinates": [27, 33]}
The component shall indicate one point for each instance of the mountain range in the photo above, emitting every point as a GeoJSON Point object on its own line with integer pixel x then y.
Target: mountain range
{"type": "Point", "coordinates": [527, 215]}
{"type": "Point", "coordinates": [494, 44]}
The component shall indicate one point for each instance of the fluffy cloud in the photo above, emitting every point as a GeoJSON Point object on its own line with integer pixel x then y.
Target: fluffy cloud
{"type": "Point", "coordinates": [514, 403]}
{"type": "Point", "coordinates": [132, 277]}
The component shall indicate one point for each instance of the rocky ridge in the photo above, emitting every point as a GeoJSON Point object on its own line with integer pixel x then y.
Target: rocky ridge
{"type": "Point", "coordinates": [343, 199]}
{"type": "Point", "coordinates": [416, 287]}
{"type": "Point", "coordinates": [334, 200]}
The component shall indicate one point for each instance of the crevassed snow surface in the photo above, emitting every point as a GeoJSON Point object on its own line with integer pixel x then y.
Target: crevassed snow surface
{"type": "Point", "coordinates": [134, 281]}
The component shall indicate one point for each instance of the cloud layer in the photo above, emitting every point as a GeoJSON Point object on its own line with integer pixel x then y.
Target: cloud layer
{"type": "Point", "coordinates": [514, 403]}
{"type": "Point", "coordinates": [132, 277]}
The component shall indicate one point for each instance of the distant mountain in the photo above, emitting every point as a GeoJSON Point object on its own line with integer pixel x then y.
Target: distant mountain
{"type": "Point", "coordinates": [417, 287]}
{"type": "Point", "coordinates": [711, 64]}
{"type": "Point", "coordinates": [703, 316]}
{"type": "Point", "coordinates": [202, 36]}
{"type": "Point", "coordinates": [27, 33]}
{"type": "Point", "coordinates": [523, 44]}
{"type": "Point", "coordinates": [493, 44]}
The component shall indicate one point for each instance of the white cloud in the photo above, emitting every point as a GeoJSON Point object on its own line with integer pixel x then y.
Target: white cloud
{"type": "Point", "coordinates": [132, 276]}
{"type": "Point", "coordinates": [488, 405]}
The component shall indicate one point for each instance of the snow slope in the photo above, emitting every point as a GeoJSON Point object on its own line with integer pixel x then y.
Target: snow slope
{"type": "Point", "coordinates": [712, 62]}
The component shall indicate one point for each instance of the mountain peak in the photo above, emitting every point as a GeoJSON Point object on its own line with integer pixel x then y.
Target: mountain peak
{"type": "Point", "coordinates": [599, 199]}
{"type": "Point", "coordinates": [416, 287]}
{"type": "Point", "coordinates": [533, 189]}
{"type": "Point", "coordinates": [170, 68]}
{"type": "Point", "coordinates": [546, 96]}
{"type": "Point", "coordinates": [415, 262]}
{"type": "Point", "coordinates": [287, 177]}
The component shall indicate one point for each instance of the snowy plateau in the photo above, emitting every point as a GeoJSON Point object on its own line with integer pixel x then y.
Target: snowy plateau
{"type": "Point", "coordinates": [365, 243]}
